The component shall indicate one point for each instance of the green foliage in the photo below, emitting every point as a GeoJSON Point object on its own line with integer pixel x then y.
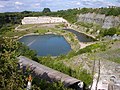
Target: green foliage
{"type": "Point", "coordinates": [11, 78]}
{"type": "Point", "coordinates": [43, 85]}
{"type": "Point", "coordinates": [92, 48]}
{"type": "Point", "coordinates": [60, 66]}
{"type": "Point", "coordinates": [71, 54]}
{"type": "Point", "coordinates": [87, 30]}
{"type": "Point", "coordinates": [6, 28]}
{"type": "Point", "coordinates": [110, 11]}
{"type": "Point", "coordinates": [87, 25]}
{"type": "Point", "coordinates": [70, 14]}
{"type": "Point", "coordinates": [109, 32]}
{"type": "Point", "coordinates": [10, 49]}
{"type": "Point", "coordinates": [26, 12]}
{"type": "Point", "coordinates": [46, 10]}
{"type": "Point", "coordinates": [41, 31]}
{"type": "Point", "coordinates": [25, 51]}
{"type": "Point", "coordinates": [112, 55]}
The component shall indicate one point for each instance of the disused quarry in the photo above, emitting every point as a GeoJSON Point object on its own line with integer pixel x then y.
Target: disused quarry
{"type": "Point", "coordinates": [105, 70]}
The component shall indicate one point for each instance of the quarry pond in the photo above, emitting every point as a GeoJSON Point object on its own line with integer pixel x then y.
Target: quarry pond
{"type": "Point", "coordinates": [81, 37]}
{"type": "Point", "coordinates": [48, 44]}
{"type": "Point", "coordinates": [51, 44]}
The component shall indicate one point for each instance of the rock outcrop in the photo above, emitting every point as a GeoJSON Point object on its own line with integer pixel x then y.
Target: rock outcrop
{"type": "Point", "coordinates": [101, 19]}
{"type": "Point", "coordinates": [42, 20]}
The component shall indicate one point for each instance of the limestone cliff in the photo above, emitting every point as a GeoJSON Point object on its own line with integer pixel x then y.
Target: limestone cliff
{"type": "Point", "coordinates": [101, 19]}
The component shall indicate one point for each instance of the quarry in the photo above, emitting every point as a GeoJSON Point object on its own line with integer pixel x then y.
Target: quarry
{"type": "Point", "coordinates": [106, 71]}
{"type": "Point", "coordinates": [89, 37]}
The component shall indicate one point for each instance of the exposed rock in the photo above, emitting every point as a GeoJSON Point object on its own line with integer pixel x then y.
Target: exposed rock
{"type": "Point", "coordinates": [42, 20]}
{"type": "Point", "coordinates": [101, 19]}
{"type": "Point", "coordinates": [108, 22]}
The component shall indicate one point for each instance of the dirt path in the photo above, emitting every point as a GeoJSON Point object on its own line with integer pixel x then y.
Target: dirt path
{"type": "Point", "coordinates": [83, 45]}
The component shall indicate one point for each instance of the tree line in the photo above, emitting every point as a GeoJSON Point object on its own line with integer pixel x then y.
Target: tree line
{"type": "Point", "coordinates": [70, 14]}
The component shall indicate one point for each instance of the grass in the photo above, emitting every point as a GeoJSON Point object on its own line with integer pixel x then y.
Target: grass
{"type": "Point", "coordinates": [112, 55]}
{"type": "Point", "coordinates": [57, 64]}
{"type": "Point", "coordinates": [26, 26]}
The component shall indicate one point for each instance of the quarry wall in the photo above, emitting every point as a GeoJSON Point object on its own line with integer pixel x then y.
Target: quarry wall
{"type": "Point", "coordinates": [101, 19]}
{"type": "Point", "coordinates": [42, 20]}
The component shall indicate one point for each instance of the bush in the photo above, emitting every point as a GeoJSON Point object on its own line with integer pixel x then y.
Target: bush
{"type": "Point", "coordinates": [60, 66]}
{"type": "Point", "coordinates": [109, 32]}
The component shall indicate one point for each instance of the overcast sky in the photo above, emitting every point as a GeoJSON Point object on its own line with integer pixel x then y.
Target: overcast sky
{"type": "Point", "coordinates": [54, 5]}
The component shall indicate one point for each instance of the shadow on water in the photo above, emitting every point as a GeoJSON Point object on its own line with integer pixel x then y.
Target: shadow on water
{"type": "Point", "coordinates": [45, 45]}
{"type": "Point", "coordinates": [81, 37]}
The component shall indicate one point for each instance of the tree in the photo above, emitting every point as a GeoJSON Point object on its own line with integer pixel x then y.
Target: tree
{"type": "Point", "coordinates": [46, 10]}
{"type": "Point", "coordinates": [11, 78]}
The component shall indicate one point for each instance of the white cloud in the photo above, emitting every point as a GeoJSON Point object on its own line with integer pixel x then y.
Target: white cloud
{"type": "Point", "coordinates": [18, 3]}
{"type": "Point", "coordinates": [78, 3]}
{"type": "Point", "coordinates": [1, 6]}
{"type": "Point", "coordinates": [17, 7]}
{"type": "Point", "coordinates": [92, 0]}
{"type": "Point", "coordinates": [37, 4]}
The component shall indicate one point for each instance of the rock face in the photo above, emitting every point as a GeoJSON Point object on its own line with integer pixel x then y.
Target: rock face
{"type": "Point", "coordinates": [101, 19]}
{"type": "Point", "coordinates": [42, 20]}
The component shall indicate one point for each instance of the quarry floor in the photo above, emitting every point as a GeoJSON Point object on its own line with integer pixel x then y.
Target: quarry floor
{"type": "Point", "coordinates": [105, 62]}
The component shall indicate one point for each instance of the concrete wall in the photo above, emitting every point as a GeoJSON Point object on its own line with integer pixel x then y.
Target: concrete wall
{"type": "Point", "coordinates": [42, 20]}
{"type": "Point", "coordinates": [101, 19]}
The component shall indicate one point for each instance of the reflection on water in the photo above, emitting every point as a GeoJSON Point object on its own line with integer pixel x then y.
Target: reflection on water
{"type": "Point", "coordinates": [81, 37]}
{"type": "Point", "coordinates": [44, 45]}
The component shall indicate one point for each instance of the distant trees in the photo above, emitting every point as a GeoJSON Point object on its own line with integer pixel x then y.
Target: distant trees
{"type": "Point", "coordinates": [110, 11]}
{"type": "Point", "coordinates": [26, 12]}
{"type": "Point", "coordinates": [46, 10]}
{"type": "Point", "coordinates": [70, 14]}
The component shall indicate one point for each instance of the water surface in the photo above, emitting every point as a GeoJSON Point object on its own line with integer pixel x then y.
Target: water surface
{"type": "Point", "coordinates": [81, 37]}
{"type": "Point", "coordinates": [44, 45]}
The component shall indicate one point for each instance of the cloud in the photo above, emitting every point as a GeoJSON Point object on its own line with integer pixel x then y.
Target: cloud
{"type": "Point", "coordinates": [118, 1]}
{"type": "Point", "coordinates": [54, 5]}
{"type": "Point", "coordinates": [4, 0]}
{"type": "Point", "coordinates": [18, 3]}
{"type": "Point", "coordinates": [78, 3]}
{"type": "Point", "coordinates": [37, 4]}
{"type": "Point", "coordinates": [1, 6]}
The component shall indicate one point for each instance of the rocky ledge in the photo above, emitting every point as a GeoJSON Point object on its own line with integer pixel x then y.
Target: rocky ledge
{"type": "Point", "coordinates": [101, 19]}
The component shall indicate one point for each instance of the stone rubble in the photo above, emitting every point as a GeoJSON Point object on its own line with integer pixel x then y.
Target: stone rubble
{"type": "Point", "coordinates": [109, 76]}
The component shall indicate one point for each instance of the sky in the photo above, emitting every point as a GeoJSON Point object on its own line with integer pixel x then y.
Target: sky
{"type": "Point", "coordinates": [54, 5]}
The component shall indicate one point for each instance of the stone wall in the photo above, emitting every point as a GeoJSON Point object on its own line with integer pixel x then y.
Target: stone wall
{"type": "Point", "coordinates": [42, 20]}
{"type": "Point", "coordinates": [101, 19]}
